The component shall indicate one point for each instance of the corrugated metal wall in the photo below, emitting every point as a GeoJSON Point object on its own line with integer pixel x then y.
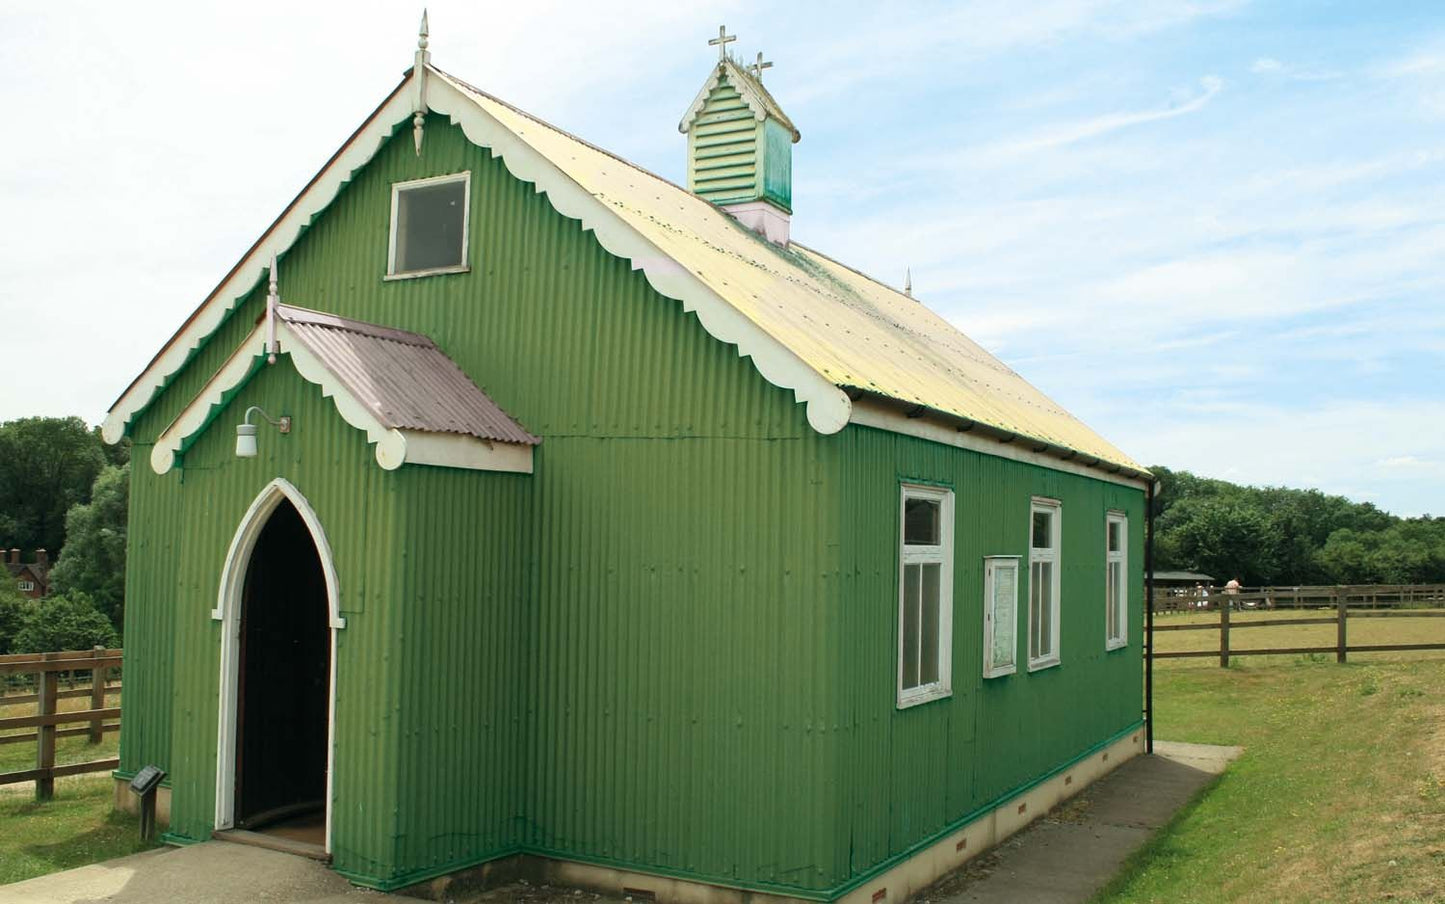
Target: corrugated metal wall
{"type": "Point", "coordinates": [199, 507]}
{"type": "Point", "coordinates": [946, 758]}
{"type": "Point", "coordinates": [580, 624]}
{"type": "Point", "coordinates": [651, 652]}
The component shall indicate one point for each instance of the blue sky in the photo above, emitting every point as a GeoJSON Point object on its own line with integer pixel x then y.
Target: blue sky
{"type": "Point", "coordinates": [1213, 230]}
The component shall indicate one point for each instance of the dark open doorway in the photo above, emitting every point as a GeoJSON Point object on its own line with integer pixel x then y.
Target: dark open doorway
{"type": "Point", "coordinates": [283, 693]}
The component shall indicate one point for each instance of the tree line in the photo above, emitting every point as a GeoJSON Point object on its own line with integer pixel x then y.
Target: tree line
{"type": "Point", "coordinates": [1286, 537]}
{"type": "Point", "coordinates": [65, 491]}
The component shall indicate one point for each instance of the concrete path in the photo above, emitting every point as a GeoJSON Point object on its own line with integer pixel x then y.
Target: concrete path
{"type": "Point", "coordinates": [216, 872]}
{"type": "Point", "coordinates": [1068, 855]}
{"type": "Point", "coordinates": [1062, 859]}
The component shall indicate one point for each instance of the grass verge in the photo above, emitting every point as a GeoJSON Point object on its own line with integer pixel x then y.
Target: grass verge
{"type": "Point", "coordinates": [1339, 796]}
{"type": "Point", "coordinates": [77, 827]}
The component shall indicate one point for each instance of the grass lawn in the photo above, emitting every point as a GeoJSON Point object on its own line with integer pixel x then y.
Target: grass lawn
{"type": "Point", "coordinates": [1339, 796]}
{"type": "Point", "coordinates": [76, 828]}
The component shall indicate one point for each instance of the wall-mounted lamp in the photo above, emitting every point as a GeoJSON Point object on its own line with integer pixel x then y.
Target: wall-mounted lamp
{"type": "Point", "coordinates": [246, 431]}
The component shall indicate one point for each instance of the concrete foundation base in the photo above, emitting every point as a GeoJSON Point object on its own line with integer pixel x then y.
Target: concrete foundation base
{"type": "Point", "coordinates": [127, 802]}
{"type": "Point", "coordinates": [895, 884]}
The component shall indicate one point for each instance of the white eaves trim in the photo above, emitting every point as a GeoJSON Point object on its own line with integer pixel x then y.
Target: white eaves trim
{"type": "Point", "coordinates": [828, 407]}
{"type": "Point", "coordinates": [394, 447]}
{"type": "Point", "coordinates": [355, 154]}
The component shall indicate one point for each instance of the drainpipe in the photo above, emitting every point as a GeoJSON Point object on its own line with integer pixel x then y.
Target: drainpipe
{"type": "Point", "coordinates": [1149, 620]}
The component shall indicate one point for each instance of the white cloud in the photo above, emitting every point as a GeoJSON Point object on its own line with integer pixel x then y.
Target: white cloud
{"type": "Point", "coordinates": [1337, 448]}
{"type": "Point", "coordinates": [1065, 134]}
{"type": "Point", "coordinates": [1269, 66]}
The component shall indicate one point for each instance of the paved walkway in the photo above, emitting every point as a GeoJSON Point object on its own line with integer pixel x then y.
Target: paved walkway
{"type": "Point", "coordinates": [1068, 855]}
{"type": "Point", "coordinates": [1061, 859]}
{"type": "Point", "coordinates": [217, 872]}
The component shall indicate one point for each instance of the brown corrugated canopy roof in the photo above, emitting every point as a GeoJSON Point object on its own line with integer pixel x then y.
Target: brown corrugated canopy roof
{"type": "Point", "coordinates": [402, 378]}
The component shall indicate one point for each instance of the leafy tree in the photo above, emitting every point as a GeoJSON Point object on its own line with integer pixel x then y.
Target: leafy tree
{"type": "Point", "coordinates": [93, 560]}
{"type": "Point", "coordinates": [1408, 552]}
{"type": "Point", "coordinates": [1277, 535]}
{"type": "Point", "coordinates": [14, 610]}
{"type": "Point", "coordinates": [116, 454]}
{"type": "Point", "coordinates": [47, 464]}
{"type": "Point", "coordinates": [64, 623]}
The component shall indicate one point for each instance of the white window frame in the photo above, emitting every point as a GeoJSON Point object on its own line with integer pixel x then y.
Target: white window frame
{"type": "Point", "coordinates": [26, 586]}
{"type": "Point", "coordinates": [992, 565]}
{"type": "Point", "coordinates": [396, 189]}
{"type": "Point", "coordinates": [1121, 556]}
{"type": "Point", "coordinates": [942, 555]}
{"type": "Point", "coordinates": [1054, 554]}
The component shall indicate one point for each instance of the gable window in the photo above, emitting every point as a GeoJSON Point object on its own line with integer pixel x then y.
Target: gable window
{"type": "Point", "coordinates": [1045, 516]}
{"type": "Point", "coordinates": [1000, 615]}
{"type": "Point", "coordinates": [925, 595]}
{"type": "Point", "coordinates": [1116, 581]}
{"type": "Point", "coordinates": [26, 586]}
{"type": "Point", "coordinates": [429, 226]}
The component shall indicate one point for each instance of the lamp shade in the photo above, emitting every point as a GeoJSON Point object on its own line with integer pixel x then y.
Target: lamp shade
{"type": "Point", "coordinates": [245, 440]}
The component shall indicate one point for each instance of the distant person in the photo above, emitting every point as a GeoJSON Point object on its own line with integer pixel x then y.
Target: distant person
{"type": "Point", "coordinates": [1232, 588]}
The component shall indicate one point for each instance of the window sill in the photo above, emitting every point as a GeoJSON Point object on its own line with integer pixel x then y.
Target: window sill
{"type": "Point", "coordinates": [438, 271]}
{"type": "Point", "coordinates": [1041, 664]}
{"type": "Point", "coordinates": [918, 696]}
{"type": "Point", "coordinates": [1112, 645]}
{"type": "Point", "coordinates": [1000, 672]}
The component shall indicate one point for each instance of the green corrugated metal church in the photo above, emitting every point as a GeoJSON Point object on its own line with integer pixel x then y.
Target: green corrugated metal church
{"type": "Point", "coordinates": [509, 504]}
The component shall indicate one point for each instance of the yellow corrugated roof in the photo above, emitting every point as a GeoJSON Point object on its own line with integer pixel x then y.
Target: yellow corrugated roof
{"type": "Point", "coordinates": [852, 330]}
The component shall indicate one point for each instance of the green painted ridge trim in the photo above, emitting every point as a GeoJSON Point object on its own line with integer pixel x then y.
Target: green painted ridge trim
{"type": "Point", "coordinates": [884, 865]}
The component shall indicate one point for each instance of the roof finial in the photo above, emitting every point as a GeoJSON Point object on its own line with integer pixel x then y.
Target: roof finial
{"type": "Point", "coordinates": [908, 281]}
{"type": "Point", "coordinates": [423, 57]}
{"type": "Point", "coordinates": [722, 41]}
{"type": "Point", "coordinates": [758, 67]}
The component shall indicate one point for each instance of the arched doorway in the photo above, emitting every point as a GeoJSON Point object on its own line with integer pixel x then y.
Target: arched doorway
{"type": "Point", "coordinates": [279, 614]}
{"type": "Point", "coordinates": [282, 693]}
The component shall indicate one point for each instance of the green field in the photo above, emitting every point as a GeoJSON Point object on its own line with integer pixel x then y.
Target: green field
{"type": "Point", "coordinates": [1339, 796]}
{"type": "Point", "coordinates": [76, 749]}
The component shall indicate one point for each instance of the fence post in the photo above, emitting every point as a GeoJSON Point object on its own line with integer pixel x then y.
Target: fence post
{"type": "Point", "coordinates": [97, 696]}
{"type": "Point", "coordinates": [1223, 632]}
{"type": "Point", "coordinates": [49, 688]}
{"type": "Point", "coordinates": [1341, 607]}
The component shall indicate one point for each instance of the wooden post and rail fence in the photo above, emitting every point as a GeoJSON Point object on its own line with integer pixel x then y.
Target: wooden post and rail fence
{"type": "Point", "coordinates": [1345, 603]}
{"type": "Point", "coordinates": [47, 669]}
